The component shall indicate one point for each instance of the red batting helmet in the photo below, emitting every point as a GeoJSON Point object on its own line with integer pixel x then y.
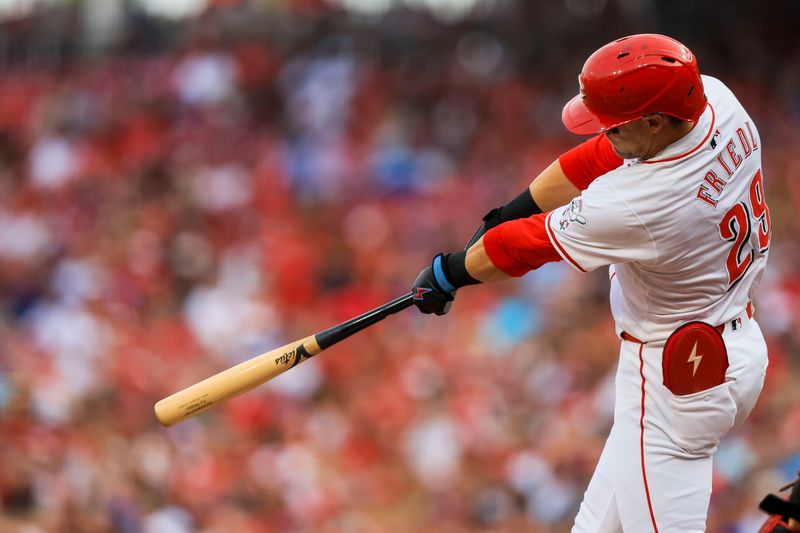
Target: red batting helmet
{"type": "Point", "coordinates": [633, 77]}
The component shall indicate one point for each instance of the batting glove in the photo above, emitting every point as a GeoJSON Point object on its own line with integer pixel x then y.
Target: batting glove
{"type": "Point", "coordinates": [435, 288]}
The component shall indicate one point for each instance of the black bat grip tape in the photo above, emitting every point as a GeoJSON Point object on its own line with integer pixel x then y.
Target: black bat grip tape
{"type": "Point", "coordinates": [339, 332]}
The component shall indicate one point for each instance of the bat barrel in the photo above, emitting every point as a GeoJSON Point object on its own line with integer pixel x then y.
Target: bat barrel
{"type": "Point", "coordinates": [241, 378]}
{"type": "Point", "coordinates": [234, 381]}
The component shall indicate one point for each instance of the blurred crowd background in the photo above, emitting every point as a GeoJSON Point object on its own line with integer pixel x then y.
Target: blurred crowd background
{"type": "Point", "coordinates": [180, 193]}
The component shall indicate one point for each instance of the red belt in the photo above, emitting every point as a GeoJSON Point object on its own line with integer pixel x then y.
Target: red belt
{"type": "Point", "coordinates": [630, 338]}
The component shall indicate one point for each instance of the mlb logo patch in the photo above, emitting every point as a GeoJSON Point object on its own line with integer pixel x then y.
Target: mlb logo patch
{"type": "Point", "coordinates": [736, 324]}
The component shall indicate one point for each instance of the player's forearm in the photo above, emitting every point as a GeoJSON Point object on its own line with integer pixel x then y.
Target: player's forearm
{"type": "Point", "coordinates": [560, 182]}
{"type": "Point", "coordinates": [551, 188]}
{"type": "Point", "coordinates": [480, 266]}
{"type": "Point", "coordinates": [548, 190]}
{"type": "Point", "coordinates": [509, 250]}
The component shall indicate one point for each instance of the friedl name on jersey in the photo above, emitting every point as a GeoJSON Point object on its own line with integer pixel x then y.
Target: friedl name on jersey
{"type": "Point", "coordinates": [738, 148]}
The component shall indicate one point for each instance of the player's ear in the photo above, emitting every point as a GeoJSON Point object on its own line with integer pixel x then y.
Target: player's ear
{"type": "Point", "coordinates": [654, 122]}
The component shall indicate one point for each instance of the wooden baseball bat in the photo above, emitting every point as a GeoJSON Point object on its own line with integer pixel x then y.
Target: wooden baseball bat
{"type": "Point", "coordinates": [238, 379]}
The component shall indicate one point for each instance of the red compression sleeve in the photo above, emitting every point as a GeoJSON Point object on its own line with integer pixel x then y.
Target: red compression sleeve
{"type": "Point", "coordinates": [589, 160]}
{"type": "Point", "coordinates": [519, 246]}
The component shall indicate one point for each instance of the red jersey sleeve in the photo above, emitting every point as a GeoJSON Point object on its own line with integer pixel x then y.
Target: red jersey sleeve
{"type": "Point", "coordinates": [589, 160]}
{"type": "Point", "coordinates": [521, 245]}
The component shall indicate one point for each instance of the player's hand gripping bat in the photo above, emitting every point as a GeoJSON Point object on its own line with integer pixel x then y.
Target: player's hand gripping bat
{"type": "Point", "coordinates": [238, 379]}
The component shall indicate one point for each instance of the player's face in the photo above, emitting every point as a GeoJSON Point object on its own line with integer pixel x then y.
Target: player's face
{"type": "Point", "coordinates": [633, 140]}
{"type": "Point", "coordinates": [646, 137]}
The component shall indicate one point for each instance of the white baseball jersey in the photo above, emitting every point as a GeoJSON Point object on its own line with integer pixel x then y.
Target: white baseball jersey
{"type": "Point", "coordinates": [686, 233]}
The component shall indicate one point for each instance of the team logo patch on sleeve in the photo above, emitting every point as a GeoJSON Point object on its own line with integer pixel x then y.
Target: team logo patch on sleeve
{"type": "Point", "coordinates": [572, 214]}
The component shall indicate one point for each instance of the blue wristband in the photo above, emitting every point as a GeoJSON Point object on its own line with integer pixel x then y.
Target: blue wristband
{"type": "Point", "coordinates": [438, 274]}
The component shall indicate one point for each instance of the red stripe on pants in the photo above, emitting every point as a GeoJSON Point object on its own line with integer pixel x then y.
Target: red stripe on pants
{"type": "Point", "coordinates": [641, 442]}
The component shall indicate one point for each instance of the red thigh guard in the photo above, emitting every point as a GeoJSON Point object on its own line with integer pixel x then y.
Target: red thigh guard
{"type": "Point", "coordinates": [694, 359]}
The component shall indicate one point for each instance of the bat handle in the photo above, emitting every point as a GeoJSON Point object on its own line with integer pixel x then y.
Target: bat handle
{"type": "Point", "coordinates": [337, 333]}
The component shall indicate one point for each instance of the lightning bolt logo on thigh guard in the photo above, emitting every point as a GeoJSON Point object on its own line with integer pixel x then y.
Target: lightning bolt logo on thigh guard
{"type": "Point", "coordinates": [694, 358]}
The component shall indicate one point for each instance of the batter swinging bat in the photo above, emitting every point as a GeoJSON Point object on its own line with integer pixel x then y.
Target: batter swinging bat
{"type": "Point", "coordinates": [238, 379]}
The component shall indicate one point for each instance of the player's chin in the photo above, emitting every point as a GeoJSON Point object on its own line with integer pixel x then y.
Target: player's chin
{"type": "Point", "coordinates": [619, 151]}
{"type": "Point", "coordinates": [625, 154]}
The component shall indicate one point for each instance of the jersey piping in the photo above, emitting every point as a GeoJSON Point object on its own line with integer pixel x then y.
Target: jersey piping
{"type": "Point", "coordinates": [557, 245]}
{"type": "Point", "coordinates": [693, 150]}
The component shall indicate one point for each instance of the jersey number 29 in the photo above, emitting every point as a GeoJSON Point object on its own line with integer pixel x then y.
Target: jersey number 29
{"type": "Point", "coordinates": [737, 227]}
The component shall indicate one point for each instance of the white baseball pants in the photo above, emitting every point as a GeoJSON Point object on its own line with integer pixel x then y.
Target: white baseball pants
{"type": "Point", "coordinates": [654, 474]}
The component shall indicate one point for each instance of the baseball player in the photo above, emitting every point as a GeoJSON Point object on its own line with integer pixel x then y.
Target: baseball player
{"type": "Point", "coordinates": [668, 194]}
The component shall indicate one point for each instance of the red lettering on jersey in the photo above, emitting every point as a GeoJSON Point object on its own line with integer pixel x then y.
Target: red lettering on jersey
{"type": "Point", "coordinates": [758, 202]}
{"type": "Point", "coordinates": [752, 137]}
{"type": "Point", "coordinates": [744, 141]}
{"type": "Point", "coordinates": [712, 179]}
{"type": "Point", "coordinates": [737, 159]}
{"type": "Point", "coordinates": [702, 194]}
{"type": "Point", "coordinates": [721, 162]}
{"type": "Point", "coordinates": [735, 227]}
